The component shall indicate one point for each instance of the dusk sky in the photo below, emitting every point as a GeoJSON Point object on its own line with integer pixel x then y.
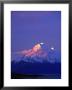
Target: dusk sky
{"type": "Point", "coordinates": [31, 27]}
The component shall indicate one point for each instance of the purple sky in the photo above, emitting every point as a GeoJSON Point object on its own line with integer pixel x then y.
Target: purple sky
{"type": "Point", "coordinates": [31, 27]}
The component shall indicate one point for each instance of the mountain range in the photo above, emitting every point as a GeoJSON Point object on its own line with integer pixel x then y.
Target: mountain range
{"type": "Point", "coordinates": [39, 53]}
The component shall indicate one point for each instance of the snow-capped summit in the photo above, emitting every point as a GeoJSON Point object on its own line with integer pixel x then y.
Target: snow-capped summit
{"type": "Point", "coordinates": [41, 43]}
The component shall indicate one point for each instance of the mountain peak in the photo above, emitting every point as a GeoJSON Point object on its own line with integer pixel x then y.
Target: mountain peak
{"type": "Point", "coordinates": [40, 52]}
{"type": "Point", "coordinates": [36, 50]}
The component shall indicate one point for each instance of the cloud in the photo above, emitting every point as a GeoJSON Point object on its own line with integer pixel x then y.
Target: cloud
{"type": "Point", "coordinates": [30, 52]}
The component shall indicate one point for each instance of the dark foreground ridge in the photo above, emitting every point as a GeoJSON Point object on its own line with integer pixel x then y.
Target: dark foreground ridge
{"type": "Point", "coordinates": [24, 70]}
{"type": "Point", "coordinates": [49, 76]}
